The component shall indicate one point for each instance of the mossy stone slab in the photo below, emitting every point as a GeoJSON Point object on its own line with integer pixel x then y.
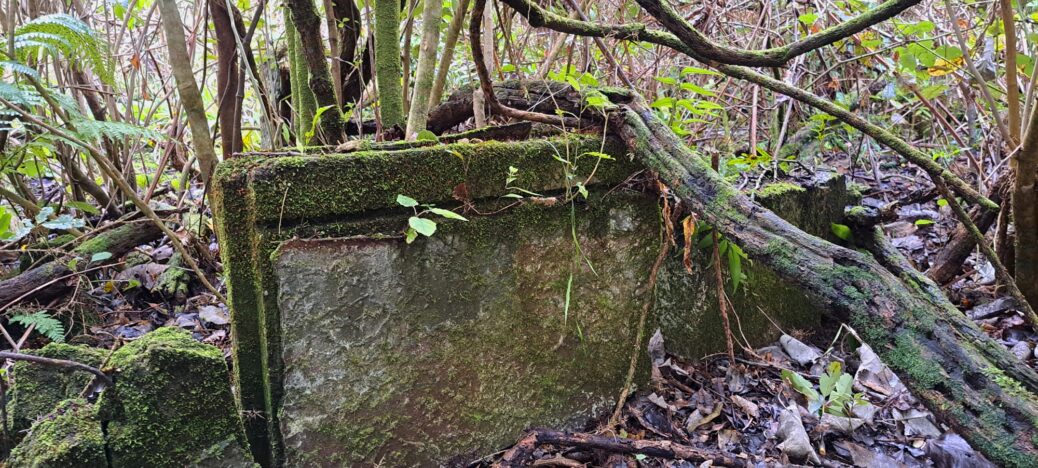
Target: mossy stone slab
{"type": "Point", "coordinates": [171, 402]}
{"type": "Point", "coordinates": [38, 389]}
{"type": "Point", "coordinates": [68, 437]}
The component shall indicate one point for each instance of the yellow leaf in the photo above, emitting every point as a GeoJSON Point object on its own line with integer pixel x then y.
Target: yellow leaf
{"type": "Point", "coordinates": [943, 67]}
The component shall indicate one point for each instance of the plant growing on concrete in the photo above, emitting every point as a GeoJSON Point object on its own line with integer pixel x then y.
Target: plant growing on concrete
{"type": "Point", "coordinates": [421, 222]}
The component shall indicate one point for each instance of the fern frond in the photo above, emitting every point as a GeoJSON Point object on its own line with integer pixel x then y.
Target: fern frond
{"type": "Point", "coordinates": [20, 95]}
{"type": "Point", "coordinates": [70, 35]}
{"type": "Point", "coordinates": [96, 129]}
{"type": "Point", "coordinates": [46, 325]}
{"type": "Point", "coordinates": [18, 67]}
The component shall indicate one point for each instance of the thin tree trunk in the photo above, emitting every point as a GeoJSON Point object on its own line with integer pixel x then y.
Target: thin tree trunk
{"type": "Point", "coordinates": [303, 101]}
{"type": "Point", "coordinates": [347, 15]}
{"type": "Point", "coordinates": [1025, 212]}
{"type": "Point", "coordinates": [308, 27]}
{"type": "Point", "coordinates": [388, 69]}
{"type": "Point", "coordinates": [453, 33]}
{"type": "Point", "coordinates": [227, 79]}
{"type": "Point", "coordinates": [187, 88]}
{"type": "Point", "coordinates": [423, 78]}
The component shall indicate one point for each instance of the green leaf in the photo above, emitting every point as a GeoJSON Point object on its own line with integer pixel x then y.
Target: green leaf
{"type": "Point", "coordinates": [410, 235]}
{"type": "Point", "coordinates": [942, 202]}
{"type": "Point", "coordinates": [666, 80]}
{"type": "Point", "coordinates": [84, 207]}
{"type": "Point", "coordinates": [842, 231]}
{"type": "Point", "coordinates": [100, 257]}
{"type": "Point", "coordinates": [406, 201]}
{"type": "Point", "coordinates": [597, 154]}
{"type": "Point", "coordinates": [425, 227]}
{"type": "Point", "coordinates": [923, 222]}
{"type": "Point", "coordinates": [808, 18]}
{"type": "Point", "coordinates": [801, 385]}
{"type": "Point", "coordinates": [698, 71]}
{"type": "Point", "coordinates": [447, 214]}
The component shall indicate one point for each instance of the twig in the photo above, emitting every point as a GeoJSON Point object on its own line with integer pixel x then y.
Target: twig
{"type": "Point", "coordinates": [60, 363]}
{"type": "Point", "coordinates": [524, 449]}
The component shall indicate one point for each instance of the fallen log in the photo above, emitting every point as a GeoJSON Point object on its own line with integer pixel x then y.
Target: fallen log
{"type": "Point", "coordinates": [970, 381]}
{"type": "Point", "coordinates": [43, 282]}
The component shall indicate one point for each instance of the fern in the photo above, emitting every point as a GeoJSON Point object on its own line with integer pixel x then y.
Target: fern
{"type": "Point", "coordinates": [22, 96]}
{"type": "Point", "coordinates": [97, 129]}
{"type": "Point", "coordinates": [46, 325]}
{"type": "Point", "coordinates": [69, 36]}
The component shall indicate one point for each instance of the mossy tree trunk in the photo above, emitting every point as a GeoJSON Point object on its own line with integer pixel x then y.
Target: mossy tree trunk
{"type": "Point", "coordinates": [423, 79]}
{"type": "Point", "coordinates": [388, 69]}
{"type": "Point", "coordinates": [308, 26]}
{"type": "Point", "coordinates": [302, 98]}
{"type": "Point", "coordinates": [964, 376]}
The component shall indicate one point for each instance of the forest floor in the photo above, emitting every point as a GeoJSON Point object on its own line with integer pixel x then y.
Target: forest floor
{"type": "Point", "coordinates": [785, 404]}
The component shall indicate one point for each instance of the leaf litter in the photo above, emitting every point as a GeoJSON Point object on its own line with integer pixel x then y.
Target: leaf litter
{"type": "Point", "coordinates": [843, 408]}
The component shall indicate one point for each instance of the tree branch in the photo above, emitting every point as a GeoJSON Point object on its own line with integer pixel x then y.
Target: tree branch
{"type": "Point", "coordinates": [60, 363]}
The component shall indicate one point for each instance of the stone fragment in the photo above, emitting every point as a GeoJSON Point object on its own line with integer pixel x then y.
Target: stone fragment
{"type": "Point", "coordinates": [68, 437]}
{"type": "Point", "coordinates": [171, 403]}
{"type": "Point", "coordinates": [38, 389]}
{"type": "Point", "coordinates": [795, 443]}
{"type": "Point", "coordinates": [800, 352]}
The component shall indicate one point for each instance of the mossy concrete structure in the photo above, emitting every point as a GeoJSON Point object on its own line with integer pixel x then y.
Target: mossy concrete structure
{"type": "Point", "coordinates": [352, 347]}
{"type": "Point", "coordinates": [171, 406]}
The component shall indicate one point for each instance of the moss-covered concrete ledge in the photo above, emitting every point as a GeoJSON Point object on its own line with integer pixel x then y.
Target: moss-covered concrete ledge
{"type": "Point", "coordinates": [262, 202]}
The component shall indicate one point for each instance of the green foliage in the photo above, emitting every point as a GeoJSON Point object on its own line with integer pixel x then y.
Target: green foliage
{"type": "Point", "coordinates": [833, 394]}
{"type": "Point", "coordinates": [65, 37]}
{"type": "Point", "coordinates": [45, 325]}
{"type": "Point", "coordinates": [420, 223]}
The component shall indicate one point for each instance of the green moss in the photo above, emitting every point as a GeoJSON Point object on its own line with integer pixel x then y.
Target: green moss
{"type": "Point", "coordinates": [171, 401]}
{"type": "Point", "coordinates": [38, 389]}
{"type": "Point", "coordinates": [1008, 383]}
{"type": "Point", "coordinates": [775, 189]}
{"type": "Point", "coordinates": [388, 69]}
{"type": "Point", "coordinates": [907, 357]}
{"type": "Point", "coordinates": [69, 437]}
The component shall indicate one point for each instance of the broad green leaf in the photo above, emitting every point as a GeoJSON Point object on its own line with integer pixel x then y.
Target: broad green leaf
{"type": "Point", "coordinates": [447, 214]}
{"type": "Point", "coordinates": [410, 235]}
{"type": "Point", "coordinates": [842, 231]}
{"type": "Point", "coordinates": [698, 71]}
{"type": "Point", "coordinates": [404, 200]}
{"type": "Point", "coordinates": [425, 227]}
{"type": "Point", "coordinates": [923, 222]}
{"type": "Point", "coordinates": [801, 385]}
{"type": "Point", "coordinates": [100, 257]}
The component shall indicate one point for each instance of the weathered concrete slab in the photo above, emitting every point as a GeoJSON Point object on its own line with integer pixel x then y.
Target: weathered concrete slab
{"type": "Point", "coordinates": [352, 347]}
{"type": "Point", "coordinates": [447, 346]}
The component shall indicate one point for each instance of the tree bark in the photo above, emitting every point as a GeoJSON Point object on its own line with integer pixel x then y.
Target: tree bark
{"type": "Point", "coordinates": [308, 26]}
{"type": "Point", "coordinates": [388, 69]}
{"type": "Point", "coordinates": [948, 262]}
{"type": "Point", "coordinates": [228, 73]}
{"type": "Point", "coordinates": [187, 88]}
{"type": "Point", "coordinates": [347, 15]}
{"type": "Point", "coordinates": [423, 78]}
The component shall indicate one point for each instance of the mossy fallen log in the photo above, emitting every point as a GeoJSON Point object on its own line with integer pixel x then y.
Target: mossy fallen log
{"type": "Point", "coordinates": [964, 376]}
{"type": "Point", "coordinates": [45, 281]}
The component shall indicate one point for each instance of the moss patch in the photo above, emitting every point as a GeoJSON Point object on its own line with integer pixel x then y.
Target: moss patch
{"type": "Point", "coordinates": [38, 389]}
{"type": "Point", "coordinates": [170, 402]}
{"type": "Point", "coordinates": [69, 437]}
